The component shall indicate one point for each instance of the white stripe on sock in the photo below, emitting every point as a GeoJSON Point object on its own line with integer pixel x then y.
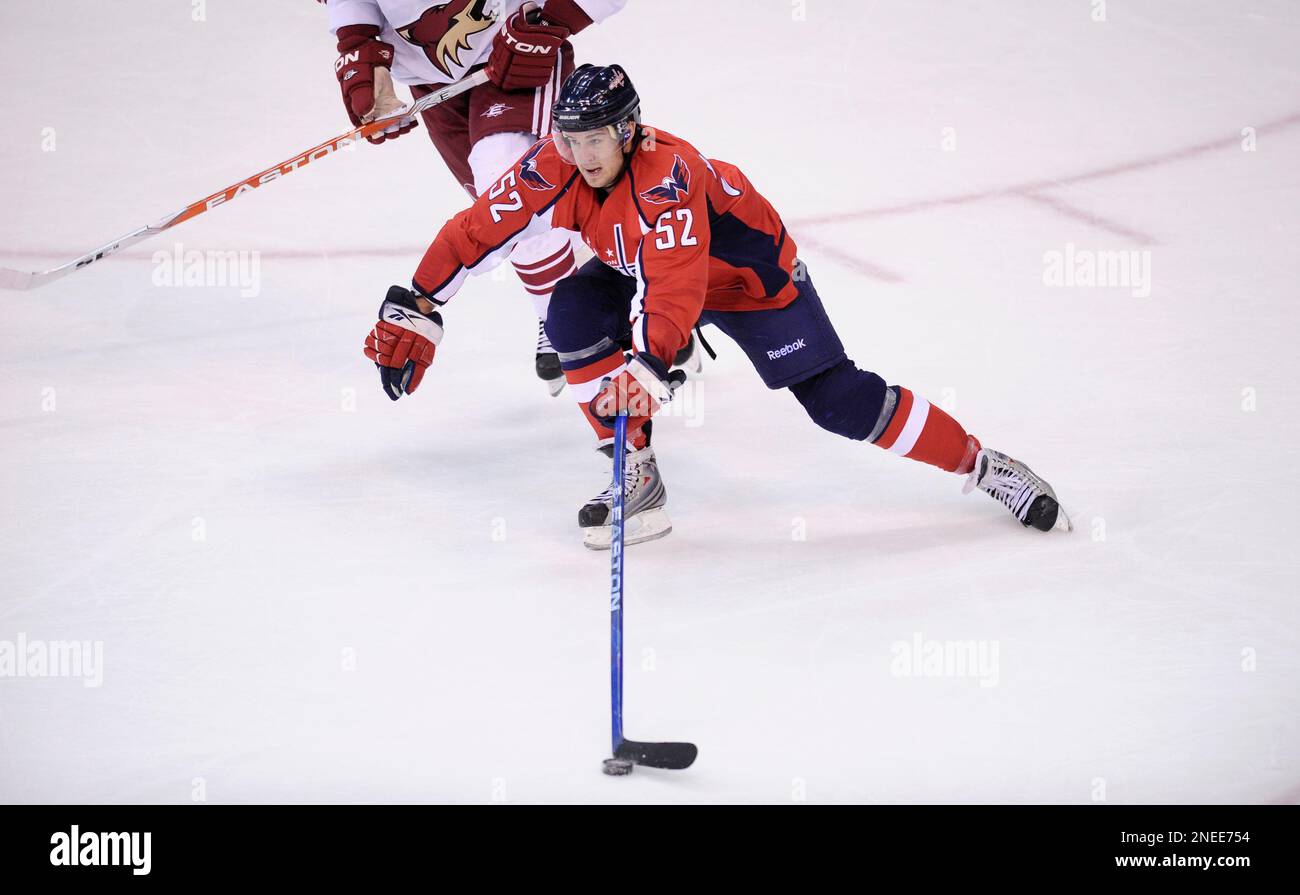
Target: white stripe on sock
{"type": "Point", "coordinates": [912, 429]}
{"type": "Point", "coordinates": [583, 392]}
{"type": "Point", "coordinates": [548, 288]}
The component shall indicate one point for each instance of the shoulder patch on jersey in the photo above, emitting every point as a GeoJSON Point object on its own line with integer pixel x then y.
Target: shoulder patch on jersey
{"type": "Point", "coordinates": [674, 187]}
{"type": "Point", "coordinates": [528, 172]}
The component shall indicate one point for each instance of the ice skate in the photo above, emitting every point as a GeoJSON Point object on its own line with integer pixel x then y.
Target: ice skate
{"type": "Point", "coordinates": [547, 362]}
{"type": "Point", "coordinates": [644, 497]}
{"type": "Point", "coordinates": [1015, 486]}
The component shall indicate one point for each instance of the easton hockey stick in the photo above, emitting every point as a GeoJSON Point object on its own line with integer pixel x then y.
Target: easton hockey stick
{"type": "Point", "coordinates": [18, 279]}
{"type": "Point", "coordinates": [627, 753]}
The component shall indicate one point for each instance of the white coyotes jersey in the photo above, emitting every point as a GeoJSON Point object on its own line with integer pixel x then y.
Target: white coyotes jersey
{"type": "Point", "coordinates": [437, 43]}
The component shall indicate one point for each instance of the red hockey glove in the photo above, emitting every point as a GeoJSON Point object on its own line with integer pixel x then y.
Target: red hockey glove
{"type": "Point", "coordinates": [403, 342]}
{"type": "Point", "coordinates": [524, 54]}
{"type": "Point", "coordinates": [361, 56]}
{"type": "Point", "coordinates": [638, 392]}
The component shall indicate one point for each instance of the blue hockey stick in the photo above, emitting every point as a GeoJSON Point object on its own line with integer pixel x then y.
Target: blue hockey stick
{"type": "Point", "coordinates": [673, 756]}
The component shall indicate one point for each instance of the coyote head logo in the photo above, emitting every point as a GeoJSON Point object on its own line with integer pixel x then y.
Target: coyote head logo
{"type": "Point", "coordinates": [444, 31]}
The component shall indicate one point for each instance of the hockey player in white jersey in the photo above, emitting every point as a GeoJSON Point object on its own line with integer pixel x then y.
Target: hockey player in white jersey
{"type": "Point", "coordinates": [480, 133]}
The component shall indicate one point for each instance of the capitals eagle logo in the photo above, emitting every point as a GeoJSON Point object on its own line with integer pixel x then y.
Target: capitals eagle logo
{"type": "Point", "coordinates": [674, 186]}
{"type": "Point", "coordinates": [528, 172]}
{"type": "Point", "coordinates": [444, 31]}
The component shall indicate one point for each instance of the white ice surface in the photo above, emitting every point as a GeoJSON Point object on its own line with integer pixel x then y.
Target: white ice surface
{"type": "Point", "coordinates": [132, 414]}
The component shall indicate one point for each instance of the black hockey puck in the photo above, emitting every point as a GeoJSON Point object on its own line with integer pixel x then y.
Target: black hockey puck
{"type": "Point", "coordinates": [618, 767]}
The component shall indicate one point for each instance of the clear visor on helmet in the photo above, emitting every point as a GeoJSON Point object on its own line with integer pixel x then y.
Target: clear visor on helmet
{"type": "Point", "coordinates": [586, 148]}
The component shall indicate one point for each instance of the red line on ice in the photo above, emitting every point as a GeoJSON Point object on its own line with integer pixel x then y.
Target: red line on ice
{"type": "Point", "coordinates": [1034, 186]}
{"type": "Point", "coordinates": [1071, 211]}
{"type": "Point", "coordinates": [850, 260]}
{"type": "Point", "coordinates": [1030, 191]}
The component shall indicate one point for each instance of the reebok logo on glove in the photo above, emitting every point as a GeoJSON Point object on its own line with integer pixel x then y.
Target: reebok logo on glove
{"type": "Point", "coordinates": [788, 349]}
{"type": "Point", "coordinates": [403, 349]}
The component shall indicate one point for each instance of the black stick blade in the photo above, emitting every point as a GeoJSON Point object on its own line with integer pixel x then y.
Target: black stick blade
{"type": "Point", "coordinates": [671, 756]}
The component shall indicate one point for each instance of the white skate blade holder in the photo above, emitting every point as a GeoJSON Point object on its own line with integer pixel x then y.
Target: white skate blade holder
{"type": "Point", "coordinates": [648, 525]}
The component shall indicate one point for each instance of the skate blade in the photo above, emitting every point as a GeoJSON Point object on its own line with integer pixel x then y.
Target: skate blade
{"type": "Point", "coordinates": [649, 525]}
{"type": "Point", "coordinates": [555, 386]}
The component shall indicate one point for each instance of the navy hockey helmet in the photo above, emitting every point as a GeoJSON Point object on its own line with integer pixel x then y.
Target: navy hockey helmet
{"type": "Point", "coordinates": [595, 96]}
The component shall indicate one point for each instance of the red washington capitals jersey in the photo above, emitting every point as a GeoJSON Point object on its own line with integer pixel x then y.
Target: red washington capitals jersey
{"type": "Point", "coordinates": [692, 231]}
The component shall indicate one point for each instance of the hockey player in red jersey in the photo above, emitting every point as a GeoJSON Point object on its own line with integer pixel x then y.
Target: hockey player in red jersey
{"type": "Point", "coordinates": [478, 134]}
{"type": "Point", "coordinates": [679, 240]}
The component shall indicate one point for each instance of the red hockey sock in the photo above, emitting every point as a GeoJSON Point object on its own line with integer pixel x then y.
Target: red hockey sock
{"type": "Point", "coordinates": [921, 431]}
{"type": "Point", "coordinates": [539, 277]}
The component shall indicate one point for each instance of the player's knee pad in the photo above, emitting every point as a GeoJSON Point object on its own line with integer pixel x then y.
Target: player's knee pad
{"type": "Point", "coordinates": [843, 399]}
